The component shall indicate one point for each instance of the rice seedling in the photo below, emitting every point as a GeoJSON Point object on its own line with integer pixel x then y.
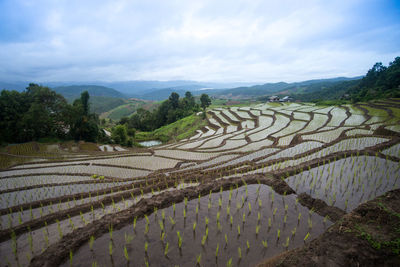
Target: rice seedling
{"type": "Point", "coordinates": [166, 250]}
{"type": "Point", "coordinates": [172, 220]}
{"type": "Point", "coordinates": [179, 239]}
{"type": "Point", "coordinates": [294, 231]}
{"type": "Point", "coordinates": [110, 248]}
{"type": "Point", "coordinates": [91, 242]}
{"type": "Point", "coordinates": [229, 263]}
{"type": "Point", "coordinates": [286, 245]}
{"type": "Point", "coordinates": [134, 223]}
{"type": "Point", "coordinates": [203, 240]}
{"type": "Point", "coordinates": [264, 243]}
{"type": "Point", "coordinates": [198, 260]}
{"type": "Point", "coordinates": [110, 231]}
{"type": "Point", "coordinates": [306, 237]}
{"type": "Point", "coordinates": [71, 257]}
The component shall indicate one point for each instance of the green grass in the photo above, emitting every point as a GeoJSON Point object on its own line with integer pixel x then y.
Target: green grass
{"type": "Point", "coordinates": [122, 111]}
{"type": "Point", "coordinates": [396, 111]}
{"type": "Point", "coordinates": [126, 109]}
{"type": "Point", "coordinates": [88, 146]}
{"type": "Point", "coordinates": [376, 111]}
{"type": "Point", "coordinates": [178, 130]}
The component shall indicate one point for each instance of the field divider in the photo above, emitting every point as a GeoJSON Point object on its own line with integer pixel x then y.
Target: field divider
{"type": "Point", "coordinates": [320, 207]}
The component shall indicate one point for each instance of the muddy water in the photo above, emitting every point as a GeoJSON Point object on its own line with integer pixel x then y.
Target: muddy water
{"type": "Point", "coordinates": [191, 245]}
{"type": "Point", "coordinates": [352, 180]}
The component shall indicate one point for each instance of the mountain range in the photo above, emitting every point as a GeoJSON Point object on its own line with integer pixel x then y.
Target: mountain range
{"type": "Point", "coordinates": [160, 90]}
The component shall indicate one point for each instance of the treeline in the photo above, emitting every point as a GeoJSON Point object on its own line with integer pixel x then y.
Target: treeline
{"type": "Point", "coordinates": [171, 110]}
{"type": "Point", "coordinates": [380, 82]}
{"type": "Point", "coordinates": [39, 112]}
{"type": "Point", "coordinates": [320, 92]}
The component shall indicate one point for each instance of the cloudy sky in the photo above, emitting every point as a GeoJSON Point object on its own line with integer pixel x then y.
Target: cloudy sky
{"type": "Point", "coordinates": [211, 40]}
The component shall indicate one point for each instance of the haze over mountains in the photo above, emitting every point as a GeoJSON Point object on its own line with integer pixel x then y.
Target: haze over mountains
{"type": "Point", "coordinates": [159, 90]}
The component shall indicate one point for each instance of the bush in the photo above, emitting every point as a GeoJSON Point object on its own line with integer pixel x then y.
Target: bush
{"type": "Point", "coordinates": [129, 143]}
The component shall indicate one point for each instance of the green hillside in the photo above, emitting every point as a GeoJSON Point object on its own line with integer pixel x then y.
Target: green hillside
{"type": "Point", "coordinates": [127, 108]}
{"type": "Point", "coordinates": [74, 91]}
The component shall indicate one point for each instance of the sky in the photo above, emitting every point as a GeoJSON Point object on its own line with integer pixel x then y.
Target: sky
{"type": "Point", "coordinates": [210, 40]}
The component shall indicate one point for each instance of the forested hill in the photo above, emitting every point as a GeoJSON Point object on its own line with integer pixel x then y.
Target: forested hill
{"type": "Point", "coordinates": [281, 88]}
{"type": "Point", "coordinates": [74, 91]}
{"type": "Point", "coordinates": [379, 82]}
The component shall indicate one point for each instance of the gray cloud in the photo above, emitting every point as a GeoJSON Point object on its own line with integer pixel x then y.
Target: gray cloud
{"type": "Point", "coordinates": [204, 40]}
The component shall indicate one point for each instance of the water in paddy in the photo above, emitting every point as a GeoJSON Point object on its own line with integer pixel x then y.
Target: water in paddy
{"type": "Point", "coordinates": [263, 204]}
{"type": "Point", "coordinates": [151, 143]}
{"type": "Point", "coordinates": [346, 183]}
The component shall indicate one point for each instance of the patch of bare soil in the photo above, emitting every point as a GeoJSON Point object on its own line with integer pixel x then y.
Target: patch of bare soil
{"type": "Point", "coordinates": [368, 236]}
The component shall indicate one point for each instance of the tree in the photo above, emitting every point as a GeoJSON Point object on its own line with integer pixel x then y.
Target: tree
{"type": "Point", "coordinates": [85, 102]}
{"type": "Point", "coordinates": [83, 125]}
{"type": "Point", "coordinates": [174, 100]}
{"type": "Point", "coordinates": [205, 101]}
{"type": "Point", "coordinates": [119, 134]}
{"type": "Point", "coordinates": [189, 100]}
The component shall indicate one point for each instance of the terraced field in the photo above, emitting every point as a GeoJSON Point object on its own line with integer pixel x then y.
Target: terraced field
{"type": "Point", "coordinates": [227, 196]}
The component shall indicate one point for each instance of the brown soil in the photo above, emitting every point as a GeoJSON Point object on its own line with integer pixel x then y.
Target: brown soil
{"type": "Point", "coordinates": [368, 236]}
{"type": "Point", "coordinates": [320, 207]}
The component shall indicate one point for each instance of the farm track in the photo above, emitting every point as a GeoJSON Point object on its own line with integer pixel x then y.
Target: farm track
{"type": "Point", "coordinates": [270, 169]}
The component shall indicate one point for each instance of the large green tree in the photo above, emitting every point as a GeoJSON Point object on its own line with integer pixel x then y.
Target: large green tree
{"type": "Point", "coordinates": [83, 125]}
{"type": "Point", "coordinates": [205, 101]}
{"type": "Point", "coordinates": [36, 113]}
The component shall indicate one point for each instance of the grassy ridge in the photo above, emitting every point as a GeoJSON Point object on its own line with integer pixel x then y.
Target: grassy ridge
{"type": "Point", "coordinates": [178, 130]}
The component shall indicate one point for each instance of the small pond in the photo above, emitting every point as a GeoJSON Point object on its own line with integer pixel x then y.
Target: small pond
{"type": "Point", "coordinates": [151, 143]}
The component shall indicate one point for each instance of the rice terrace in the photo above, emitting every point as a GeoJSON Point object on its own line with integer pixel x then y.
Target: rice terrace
{"type": "Point", "coordinates": [199, 133]}
{"type": "Point", "coordinates": [287, 183]}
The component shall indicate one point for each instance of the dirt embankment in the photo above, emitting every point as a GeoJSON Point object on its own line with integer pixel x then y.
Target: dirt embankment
{"type": "Point", "coordinates": [368, 236]}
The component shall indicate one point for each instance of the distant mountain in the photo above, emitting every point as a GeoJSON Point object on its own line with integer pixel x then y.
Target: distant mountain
{"type": "Point", "coordinates": [280, 88]}
{"type": "Point", "coordinates": [164, 93]}
{"type": "Point", "coordinates": [17, 86]}
{"type": "Point", "coordinates": [74, 91]}
{"type": "Point", "coordinates": [134, 88]}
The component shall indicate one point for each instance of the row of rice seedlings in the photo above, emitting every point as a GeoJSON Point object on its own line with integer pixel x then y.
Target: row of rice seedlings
{"type": "Point", "coordinates": [20, 216]}
{"type": "Point", "coordinates": [25, 196]}
{"type": "Point", "coordinates": [217, 212]}
{"type": "Point", "coordinates": [25, 181]}
{"type": "Point", "coordinates": [50, 208]}
{"type": "Point", "coordinates": [355, 180]}
{"type": "Point", "coordinates": [71, 224]}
